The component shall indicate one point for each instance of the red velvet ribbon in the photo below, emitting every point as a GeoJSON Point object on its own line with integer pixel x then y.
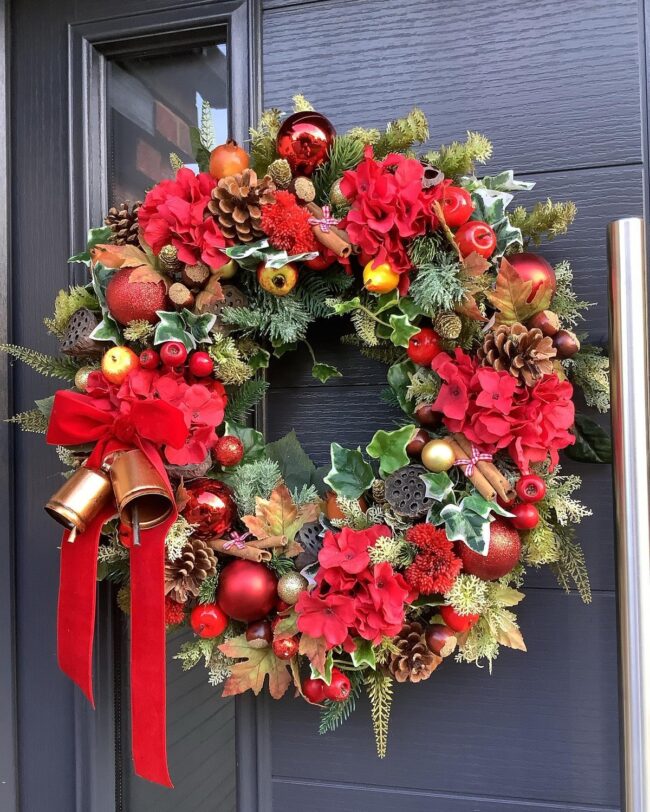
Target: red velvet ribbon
{"type": "Point", "coordinates": [76, 419]}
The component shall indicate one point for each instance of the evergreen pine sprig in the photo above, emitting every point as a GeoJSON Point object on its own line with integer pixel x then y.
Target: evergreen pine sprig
{"type": "Point", "coordinates": [589, 369]}
{"type": "Point", "coordinates": [379, 686]}
{"type": "Point", "coordinates": [208, 589]}
{"type": "Point", "coordinates": [545, 220]}
{"type": "Point", "coordinates": [244, 399]}
{"type": "Point", "coordinates": [346, 153]}
{"type": "Point", "coordinates": [66, 304]}
{"type": "Point", "coordinates": [282, 319]}
{"type": "Point", "coordinates": [459, 159]}
{"type": "Point", "coordinates": [253, 479]}
{"type": "Point", "coordinates": [571, 567]}
{"type": "Point", "coordinates": [47, 365]}
{"type": "Point", "coordinates": [437, 287]}
{"type": "Point", "coordinates": [315, 288]}
{"type": "Point", "coordinates": [565, 300]}
{"type": "Point", "coordinates": [33, 420]}
{"type": "Point", "coordinates": [400, 135]}
{"type": "Point", "coordinates": [334, 714]}
{"type": "Point", "coordinates": [280, 564]}
{"type": "Point", "coordinates": [384, 351]}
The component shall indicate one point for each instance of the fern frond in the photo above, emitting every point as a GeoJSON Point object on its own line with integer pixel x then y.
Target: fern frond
{"type": "Point", "coordinates": [379, 686]}
{"type": "Point", "coordinates": [365, 327]}
{"type": "Point", "coordinates": [34, 420]}
{"type": "Point", "coordinates": [207, 128]}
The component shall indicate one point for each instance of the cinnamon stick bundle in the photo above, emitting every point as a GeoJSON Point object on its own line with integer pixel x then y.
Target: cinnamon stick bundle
{"type": "Point", "coordinates": [477, 479]}
{"type": "Point", "coordinates": [269, 543]}
{"type": "Point", "coordinates": [247, 551]}
{"type": "Point", "coordinates": [336, 239]}
{"type": "Point", "coordinates": [489, 470]}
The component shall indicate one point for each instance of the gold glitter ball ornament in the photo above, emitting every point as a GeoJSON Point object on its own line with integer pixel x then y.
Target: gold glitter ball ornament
{"type": "Point", "coordinates": [438, 455]}
{"type": "Point", "coordinates": [290, 587]}
{"type": "Point", "coordinates": [81, 377]}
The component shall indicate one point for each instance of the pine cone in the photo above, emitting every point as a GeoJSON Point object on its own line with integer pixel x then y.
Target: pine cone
{"type": "Point", "coordinates": [184, 576]}
{"type": "Point", "coordinates": [413, 661]}
{"type": "Point", "coordinates": [448, 325]}
{"type": "Point", "coordinates": [123, 221]}
{"type": "Point", "coordinates": [280, 173]}
{"type": "Point", "coordinates": [237, 204]}
{"type": "Point", "coordinates": [526, 354]}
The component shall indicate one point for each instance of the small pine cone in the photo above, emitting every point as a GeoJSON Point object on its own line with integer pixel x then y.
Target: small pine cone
{"type": "Point", "coordinates": [237, 203]}
{"type": "Point", "coordinates": [413, 661]}
{"type": "Point", "coordinates": [525, 354]}
{"type": "Point", "coordinates": [379, 491]}
{"type": "Point", "coordinates": [280, 173]}
{"type": "Point", "coordinates": [168, 259]}
{"type": "Point", "coordinates": [123, 221]}
{"type": "Point", "coordinates": [448, 325]}
{"type": "Point", "coordinates": [184, 576]}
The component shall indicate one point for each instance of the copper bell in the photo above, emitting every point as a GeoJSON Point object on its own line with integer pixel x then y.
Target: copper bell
{"type": "Point", "coordinates": [80, 499]}
{"type": "Point", "coordinates": [142, 499]}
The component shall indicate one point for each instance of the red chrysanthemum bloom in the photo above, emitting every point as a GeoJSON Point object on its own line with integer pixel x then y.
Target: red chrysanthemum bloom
{"type": "Point", "coordinates": [435, 569]}
{"type": "Point", "coordinates": [286, 224]}
{"type": "Point", "coordinates": [174, 612]}
{"type": "Point", "coordinates": [426, 536]}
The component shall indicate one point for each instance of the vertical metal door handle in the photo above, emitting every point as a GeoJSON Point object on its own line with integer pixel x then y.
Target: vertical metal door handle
{"type": "Point", "coordinates": [629, 368]}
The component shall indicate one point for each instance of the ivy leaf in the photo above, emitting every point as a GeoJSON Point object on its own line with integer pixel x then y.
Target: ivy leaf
{"type": "Point", "coordinates": [402, 330]}
{"type": "Point", "coordinates": [252, 440]}
{"type": "Point", "coordinates": [199, 326]}
{"type": "Point", "coordinates": [438, 486]}
{"type": "Point", "coordinates": [592, 444]}
{"type": "Point", "coordinates": [259, 359]}
{"type": "Point", "coordinates": [279, 517]}
{"type": "Point", "coordinates": [323, 372]}
{"type": "Point", "coordinates": [296, 467]}
{"type": "Point", "coordinates": [513, 297]}
{"type": "Point", "coordinates": [409, 308]}
{"type": "Point", "coordinates": [171, 327]}
{"type": "Point", "coordinates": [95, 237]}
{"type": "Point", "coordinates": [257, 665]}
{"type": "Point", "coordinates": [399, 379]}
{"type": "Point", "coordinates": [482, 507]}
{"type": "Point", "coordinates": [315, 649]}
{"type": "Point", "coordinates": [249, 256]}
{"type": "Point", "coordinates": [505, 182]}
{"type": "Point", "coordinates": [280, 348]}
{"type": "Point", "coordinates": [107, 330]}
{"type": "Point", "coordinates": [389, 447]}
{"type": "Point", "coordinates": [466, 526]}
{"type": "Point", "coordinates": [386, 302]}
{"type": "Point", "coordinates": [364, 654]}
{"type": "Point", "coordinates": [350, 475]}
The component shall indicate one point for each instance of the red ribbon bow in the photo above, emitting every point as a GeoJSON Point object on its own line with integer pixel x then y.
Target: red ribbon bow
{"type": "Point", "coordinates": [77, 419]}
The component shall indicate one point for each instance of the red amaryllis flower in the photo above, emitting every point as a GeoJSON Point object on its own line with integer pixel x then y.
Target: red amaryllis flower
{"type": "Point", "coordinates": [286, 224]}
{"type": "Point", "coordinates": [175, 211]}
{"type": "Point", "coordinates": [326, 616]}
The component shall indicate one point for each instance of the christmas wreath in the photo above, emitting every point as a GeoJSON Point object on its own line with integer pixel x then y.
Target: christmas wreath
{"type": "Point", "coordinates": [376, 568]}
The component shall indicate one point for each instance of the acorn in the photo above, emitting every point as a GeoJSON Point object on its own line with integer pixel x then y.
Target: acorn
{"type": "Point", "coordinates": [547, 321]}
{"type": "Point", "coordinates": [259, 633]}
{"type": "Point", "coordinates": [415, 446]}
{"type": "Point", "coordinates": [566, 343]}
{"type": "Point", "coordinates": [440, 639]}
{"type": "Point", "coordinates": [426, 416]}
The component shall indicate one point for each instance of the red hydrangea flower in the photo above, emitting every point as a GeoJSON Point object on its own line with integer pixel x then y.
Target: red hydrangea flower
{"type": "Point", "coordinates": [327, 616]}
{"type": "Point", "coordinates": [347, 550]}
{"type": "Point", "coordinates": [286, 224]}
{"type": "Point", "coordinates": [175, 211]}
{"type": "Point", "coordinates": [435, 569]}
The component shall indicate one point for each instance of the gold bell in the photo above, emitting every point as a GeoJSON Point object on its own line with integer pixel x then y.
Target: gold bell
{"type": "Point", "coordinates": [142, 499]}
{"type": "Point", "coordinates": [80, 499]}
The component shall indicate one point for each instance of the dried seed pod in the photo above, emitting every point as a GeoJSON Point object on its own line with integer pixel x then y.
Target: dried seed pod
{"type": "Point", "coordinates": [406, 492]}
{"type": "Point", "coordinates": [77, 340]}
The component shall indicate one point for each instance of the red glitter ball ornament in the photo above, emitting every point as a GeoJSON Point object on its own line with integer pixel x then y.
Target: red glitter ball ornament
{"type": "Point", "coordinates": [247, 590]}
{"type": "Point", "coordinates": [502, 556]}
{"type": "Point", "coordinates": [304, 140]}
{"type": "Point", "coordinates": [130, 301]}
{"type": "Point", "coordinates": [229, 450]}
{"type": "Point", "coordinates": [209, 507]}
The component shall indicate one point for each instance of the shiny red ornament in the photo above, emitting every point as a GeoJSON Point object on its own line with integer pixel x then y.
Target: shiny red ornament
{"type": "Point", "coordinates": [208, 620]}
{"type": "Point", "coordinates": [247, 590]}
{"type": "Point", "coordinates": [535, 269]}
{"type": "Point", "coordinates": [424, 346]}
{"type": "Point", "coordinates": [476, 237]}
{"type": "Point", "coordinates": [526, 516]}
{"type": "Point", "coordinates": [304, 140]}
{"type": "Point", "coordinates": [200, 364]}
{"type": "Point", "coordinates": [339, 687]}
{"type": "Point", "coordinates": [530, 488]}
{"type": "Point", "coordinates": [229, 450]}
{"type": "Point", "coordinates": [209, 507]}
{"type": "Point", "coordinates": [457, 206]}
{"type": "Point", "coordinates": [285, 648]}
{"type": "Point", "coordinates": [456, 622]}
{"type": "Point", "coordinates": [502, 556]}
{"type": "Point", "coordinates": [131, 301]}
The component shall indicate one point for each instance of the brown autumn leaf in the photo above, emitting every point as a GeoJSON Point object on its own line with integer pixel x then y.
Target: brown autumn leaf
{"type": "Point", "coordinates": [513, 297]}
{"type": "Point", "coordinates": [279, 516]}
{"type": "Point", "coordinates": [256, 665]}
{"type": "Point", "coordinates": [315, 649]}
{"type": "Point", "coordinates": [118, 256]}
{"type": "Point", "coordinates": [475, 265]}
{"type": "Point", "coordinates": [145, 273]}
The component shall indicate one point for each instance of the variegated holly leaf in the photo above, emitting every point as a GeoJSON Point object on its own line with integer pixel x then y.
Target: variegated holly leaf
{"type": "Point", "coordinates": [279, 516]}
{"type": "Point", "coordinates": [257, 664]}
{"type": "Point", "coordinates": [513, 297]}
{"type": "Point", "coordinates": [315, 649]}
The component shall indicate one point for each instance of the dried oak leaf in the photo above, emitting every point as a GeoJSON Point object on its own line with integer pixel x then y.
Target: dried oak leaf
{"type": "Point", "coordinates": [146, 273]}
{"type": "Point", "coordinates": [256, 665]}
{"type": "Point", "coordinates": [513, 299]}
{"type": "Point", "coordinates": [315, 649]}
{"type": "Point", "coordinates": [474, 266]}
{"type": "Point", "coordinates": [118, 256]}
{"type": "Point", "coordinates": [279, 517]}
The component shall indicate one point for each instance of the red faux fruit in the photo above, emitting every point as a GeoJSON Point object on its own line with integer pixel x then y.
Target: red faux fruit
{"type": "Point", "coordinates": [457, 206]}
{"type": "Point", "coordinates": [339, 687]}
{"type": "Point", "coordinates": [424, 346]}
{"type": "Point", "coordinates": [208, 620]}
{"type": "Point", "coordinates": [259, 633]}
{"type": "Point", "coordinates": [200, 364]}
{"type": "Point", "coordinates": [476, 237]}
{"type": "Point", "coordinates": [320, 263]}
{"type": "Point", "coordinates": [525, 516]}
{"type": "Point", "coordinates": [149, 359]}
{"type": "Point", "coordinates": [228, 159]}
{"type": "Point", "coordinates": [531, 488]}
{"type": "Point", "coordinates": [128, 301]}
{"type": "Point", "coordinates": [285, 648]}
{"type": "Point", "coordinates": [173, 353]}
{"type": "Point", "coordinates": [118, 363]}
{"type": "Point", "coordinates": [314, 690]}
{"type": "Point", "coordinates": [456, 622]}
{"type": "Point", "coordinates": [502, 555]}
{"type": "Point", "coordinates": [535, 269]}
{"type": "Point", "coordinates": [229, 450]}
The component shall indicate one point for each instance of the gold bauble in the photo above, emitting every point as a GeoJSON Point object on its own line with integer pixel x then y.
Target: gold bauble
{"type": "Point", "coordinates": [337, 198]}
{"type": "Point", "coordinates": [81, 377]}
{"type": "Point", "coordinates": [438, 455]}
{"type": "Point", "coordinates": [290, 587]}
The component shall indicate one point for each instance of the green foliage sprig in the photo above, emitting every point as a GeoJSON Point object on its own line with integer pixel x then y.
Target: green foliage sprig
{"type": "Point", "coordinates": [379, 687]}
{"type": "Point", "coordinates": [545, 220]}
{"type": "Point", "coordinates": [457, 159]}
{"type": "Point", "coordinates": [243, 400]}
{"type": "Point", "coordinates": [66, 304]}
{"type": "Point", "coordinates": [33, 420]}
{"type": "Point", "coordinates": [589, 370]}
{"type": "Point", "coordinates": [403, 133]}
{"type": "Point", "coordinates": [47, 365]}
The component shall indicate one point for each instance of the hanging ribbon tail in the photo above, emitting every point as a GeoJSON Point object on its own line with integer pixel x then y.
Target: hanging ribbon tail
{"type": "Point", "coordinates": [77, 603]}
{"type": "Point", "coordinates": [148, 662]}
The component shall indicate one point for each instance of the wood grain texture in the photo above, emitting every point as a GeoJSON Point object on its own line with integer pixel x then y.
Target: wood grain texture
{"type": "Point", "coordinates": [555, 85]}
{"type": "Point", "coordinates": [543, 727]}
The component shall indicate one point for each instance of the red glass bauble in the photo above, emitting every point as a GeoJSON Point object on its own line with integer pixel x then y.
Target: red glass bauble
{"type": "Point", "coordinates": [503, 553]}
{"type": "Point", "coordinates": [210, 508]}
{"type": "Point", "coordinates": [304, 140]}
{"type": "Point", "coordinates": [535, 269]}
{"type": "Point", "coordinates": [247, 590]}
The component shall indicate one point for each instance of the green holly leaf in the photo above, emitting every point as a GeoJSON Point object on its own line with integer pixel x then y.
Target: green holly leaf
{"type": "Point", "coordinates": [96, 236]}
{"type": "Point", "coordinates": [259, 359]}
{"type": "Point", "coordinates": [198, 326]}
{"type": "Point", "coordinates": [399, 379]}
{"type": "Point", "coordinates": [252, 440]}
{"type": "Point", "coordinates": [350, 475]}
{"type": "Point", "coordinates": [438, 485]}
{"type": "Point", "coordinates": [592, 444]}
{"type": "Point", "coordinates": [171, 327]}
{"type": "Point", "coordinates": [296, 467]}
{"type": "Point", "coordinates": [323, 372]}
{"type": "Point", "coordinates": [402, 330]}
{"type": "Point", "coordinates": [389, 447]}
{"type": "Point", "coordinates": [346, 306]}
{"type": "Point", "coordinates": [364, 655]}
{"type": "Point", "coordinates": [107, 330]}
